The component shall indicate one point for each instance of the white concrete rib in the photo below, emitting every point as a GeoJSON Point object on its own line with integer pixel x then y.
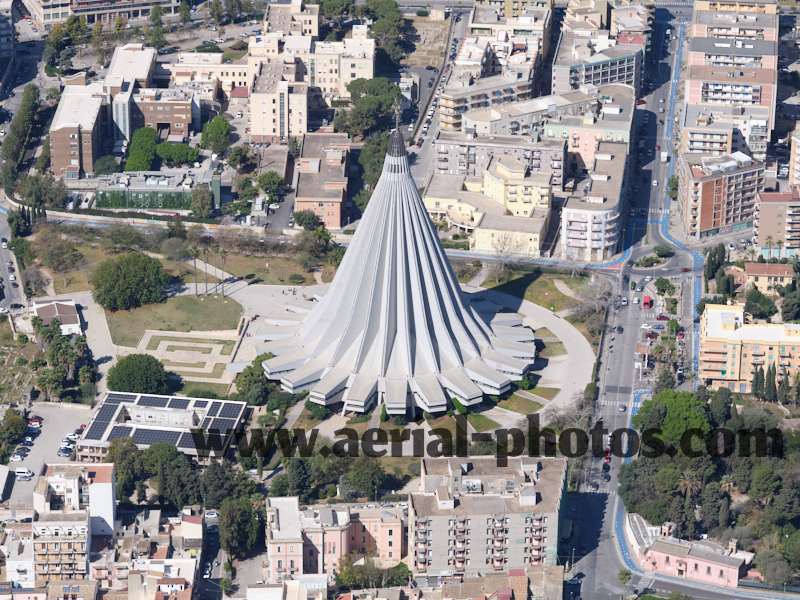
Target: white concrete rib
{"type": "Point", "coordinates": [393, 326]}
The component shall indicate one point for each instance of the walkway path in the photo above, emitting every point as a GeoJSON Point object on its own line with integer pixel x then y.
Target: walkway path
{"type": "Point", "coordinates": [562, 287]}
{"type": "Point", "coordinates": [480, 276]}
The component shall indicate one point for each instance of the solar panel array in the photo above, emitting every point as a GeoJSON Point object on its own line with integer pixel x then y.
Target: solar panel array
{"type": "Point", "coordinates": [116, 398]}
{"type": "Point", "coordinates": [101, 422]}
{"type": "Point", "coordinates": [119, 431]}
{"type": "Point", "coordinates": [223, 425]}
{"type": "Point", "coordinates": [200, 403]}
{"type": "Point", "coordinates": [230, 410]}
{"type": "Point", "coordinates": [186, 441]}
{"type": "Point", "coordinates": [155, 436]}
{"type": "Point", "coordinates": [154, 401]}
{"type": "Point", "coordinates": [179, 403]}
{"type": "Point", "coordinates": [213, 409]}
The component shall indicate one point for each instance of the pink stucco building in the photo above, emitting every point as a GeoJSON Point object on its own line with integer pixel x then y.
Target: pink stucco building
{"type": "Point", "coordinates": [699, 561]}
{"type": "Point", "coordinates": [316, 539]}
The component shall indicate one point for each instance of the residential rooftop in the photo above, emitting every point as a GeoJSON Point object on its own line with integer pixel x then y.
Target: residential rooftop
{"type": "Point", "coordinates": [727, 323]}
{"type": "Point", "coordinates": [733, 47]}
{"type": "Point", "coordinates": [731, 74]}
{"type": "Point", "coordinates": [601, 188]}
{"type": "Point", "coordinates": [712, 166]}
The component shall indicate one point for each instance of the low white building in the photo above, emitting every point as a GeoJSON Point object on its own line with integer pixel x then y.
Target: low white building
{"type": "Point", "coordinates": [66, 311]}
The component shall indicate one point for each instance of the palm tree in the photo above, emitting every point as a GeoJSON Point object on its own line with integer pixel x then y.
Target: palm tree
{"type": "Point", "coordinates": [769, 247]}
{"type": "Point", "coordinates": [194, 253]}
{"type": "Point", "coordinates": [689, 485]}
{"type": "Point", "coordinates": [779, 243]}
{"type": "Point", "coordinates": [727, 484]}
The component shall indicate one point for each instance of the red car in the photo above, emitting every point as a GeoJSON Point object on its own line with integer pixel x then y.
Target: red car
{"type": "Point", "coordinates": [662, 318]}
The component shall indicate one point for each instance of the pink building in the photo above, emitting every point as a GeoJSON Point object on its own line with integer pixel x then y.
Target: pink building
{"type": "Point", "coordinates": [316, 539]}
{"type": "Point", "coordinates": [704, 562]}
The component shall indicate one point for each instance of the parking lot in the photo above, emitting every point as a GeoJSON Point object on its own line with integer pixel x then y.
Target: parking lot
{"type": "Point", "coordinates": [59, 420]}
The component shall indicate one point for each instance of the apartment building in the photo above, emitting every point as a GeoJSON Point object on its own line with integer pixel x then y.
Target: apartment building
{"type": "Point", "coordinates": [586, 15]}
{"type": "Point", "coordinates": [8, 38]}
{"type": "Point", "coordinates": [731, 52]}
{"type": "Point", "coordinates": [755, 7]}
{"type": "Point", "coordinates": [732, 86]}
{"type": "Point", "coordinates": [322, 177]}
{"type": "Point", "coordinates": [533, 26]}
{"type": "Point", "coordinates": [134, 63]}
{"type": "Point", "coordinates": [731, 348]}
{"type": "Point", "coordinates": [794, 157]}
{"type": "Point", "coordinates": [632, 23]}
{"type": "Point", "coordinates": [209, 67]}
{"type": "Point", "coordinates": [473, 517]}
{"type": "Point", "coordinates": [733, 25]}
{"type": "Point", "coordinates": [591, 217]}
{"type": "Point", "coordinates": [715, 130]}
{"type": "Point", "coordinates": [72, 503]}
{"type": "Point", "coordinates": [718, 193]}
{"type": "Point", "coordinates": [768, 277]}
{"type": "Point", "coordinates": [292, 18]}
{"type": "Point", "coordinates": [47, 13]}
{"type": "Point", "coordinates": [16, 549]}
{"type": "Point", "coordinates": [777, 223]}
{"type": "Point", "coordinates": [470, 155]}
{"type": "Point", "coordinates": [611, 120]}
{"type": "Point", "coordinates": [527, 117]}
{"type": "Point", "coordinates": [173, 113]}
{"type": "Point", "coordinates": [78, 131]}
{"type": "Point", "coordinates": [506, 211]}
{"type": "Point", "coordinates": [593, 57]}
{"type": "Point", "coordinates": [278, 104]}
{"type": "Point", "coordinates": [314, 540]}
{"type": "Point", "coordinates": [514, 8]}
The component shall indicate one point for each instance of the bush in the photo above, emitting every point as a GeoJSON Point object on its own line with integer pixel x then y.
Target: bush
{"type": "Point", "coordinates": [129, 281]}
{"type": "Point", "coordinates": [317, 411]}
{"type": "Point", "coordinates": [142, 151]}
{"type": "Point", "coordinates": [663, 251]}
{"type": "Point", "coordinates": [216, 135]}
{"type": "Point", "coordinates": [422, 12]}
{"type": "Point", "coordinates": [175, 249]}
{"type": "Point", "coordinates": [177, 154]}
{"type": "Point", "coordinates": [138, 373]}
{"type": "Point", "coordinates": [106, 165]}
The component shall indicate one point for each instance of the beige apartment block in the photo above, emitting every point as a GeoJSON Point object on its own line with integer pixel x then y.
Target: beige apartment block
{"type": "Point", "coordinates": [734, 25]}
{"type": "Point", "coordinates": [208, 67]}
{"type": "Point", "coordinates": [322, 177]}
{"type": "Point", "coordinates": [768, 277]}
{"type": "Point", "coordinates": [591, 221]}
{"type": "Point", "coordinates": [471, 518]}
{"type": "Point", "coordinates": [593, 57]}
{"type": "Point", "coordinates": [731, 348]}
{"type": "Point", "coordinates": [777, 223]}
{"type": "Point", "coordinates": [794, 157]}
{"type": "Point", "coordinates": [715, 130]}
{"type": "Point", "coordinates": [507, 211]}
{"type": "Point", "coordinates": [718, 194]}
{"type": "Point", "coordinates": [314, 540]}
{"type": "Point", "coordinates": [47, 13]}
{"type": "Point", "coordinates": [755, 7]}
{"type": "Point", "coordinates": [278, 104]}
{"type": "Point", "coordinates": [586, 15]}
{"type": "Point", "coordinates": [514, 8]}
{"type": "Point", "coordinates": [292, 18]}
{"type": "Point", "coordinates": [533, 26]}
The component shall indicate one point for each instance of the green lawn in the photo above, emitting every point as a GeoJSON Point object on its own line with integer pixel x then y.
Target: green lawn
{"type": "Point", "coordinates": [172, 365]}
{"type": "Point", "coordinates": [538, 287]}
{"type": "Point", "coordinates": [481, 422]}
{"type": "Point", "coordinates": [519, 404]}
{"type": "Point", "coordinates": [77, 280]}
{"type": "Point", "coordinates": [273, 270]}
{"type": "Point", "coordinates": [444, 422]}
{"type": "Point", "coordinates": [552, 349]}
{"type": "Point", "coordinates": [305, 421]}
{"type": "Point", "coordinates": [180, 313]}
{"type": "Point", "coordinates": [179, 348]}
{"type": "Point", "coordinates": [185, 345]}
{"type": "Point", "coordinates": [548, 393]}
{"type": "Point", "coordinates": [216, 372]}
{"type": "Point", "coordinates": [198, 389]}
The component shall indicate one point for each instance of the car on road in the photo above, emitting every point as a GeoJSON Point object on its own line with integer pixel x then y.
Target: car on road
{"type": "Point", "coordinates": [15, 458]}
{"type": "Point", "coordinates": [622, 408]}
{"type": "Point", "coordinates": [655, 182]}
{"type": "Point", "coordinates": [624, 302]}
{"type": "Point", "coordinates": [606, 477]}
{"type": "Point", "coordinates": [620, 329]}
{"type": "Point", "coordinates": [636, 300]}
{"type": "Point", "coordinates": [662, 318]}
{"type": "Point", "coordinates": [607, 466]}
{"type": "Point", "coordinates": [211, 514]}
{"type": "Point", "coordinates": [646, 326]}
{"type": "Point", "coordinates": [4, 244]}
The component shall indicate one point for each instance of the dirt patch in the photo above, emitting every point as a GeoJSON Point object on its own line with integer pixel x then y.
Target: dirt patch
{"type": "Point", "coordinates": [430, 43]}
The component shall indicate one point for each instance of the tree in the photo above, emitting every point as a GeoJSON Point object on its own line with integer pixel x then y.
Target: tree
{"type": "Point", "coordinates": [770, 386]}
{"type": "Point", "coordinates": [759, 382]}
{"type": "Point", "coordinates": [373, 103]}
{"type": "Point", "coordinates": [220, 481]}
{"type": "Point", "coordinates": [297, 478]}
{"type": "Point", "coordinates": [673, 187]}
{"type": "Point", "coordinates": [51, 382]}
{"type": "Point", "coordinates": [759, 305]}
{"type": "Point", "coordinates": [155, 29]}
{"type": "Point", "coordinates": [271, 183]}
{"type": "Point", "coordinates": [252, 385]}
{"type": "Point", "coordinates": [142, 151]}
{"type": "Point", "coordinates": [175, 249]}
{"type": "Point", "coordinates": [364, 479]}
{"type": "Point", "coordinates": [174, 153]}
{"type": "Point", "coordinates": [106, 165]}
{"type": "Point", "coordinates": [624, 576]}
{"type": "Point", "coordinates": [337, 9]}
{"type": "Point", "coordinates": [129, 281]}
{"type": "Point", "coordinates": [99, 42]}
{"type": "Point", "coordinates": [241, 158]}
{"type": "Point", "coordinates": [683, 411]}
{"type": "Point", "coordinates": [665, 380]}
{"type": "Point", "coordinates": [216, 134]}
{"type": "Point", "coordinates": [139, 373]}
{"type": "Point", "coordinates": [664, 287]}
{"type": "Point", "coordinates": [307, 219]}
{"type": "Point", "coordinates": [238, 526]}
{"type": "Point", "coordinates": [185, 12]}
{"type": "Point", "coordinates": [791, 549]}
{"type": "Point", "coordinates": [663, 251]}
{"type": "Point", "coordinates": [773, 566]}
{"type": "Point", "coordinates": [202, 201]}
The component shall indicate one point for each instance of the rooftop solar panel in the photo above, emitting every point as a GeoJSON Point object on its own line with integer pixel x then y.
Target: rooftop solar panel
{"type": "Point", "coordinates": [200, 403]}
{"type": "Point", "coordinates": [106, 413]}
{"type": "Point", "coordinates": [96, 430]}
{"type": "Point", "coordinates": [230, 410]}
{"type": "Point", "coordinates": [155, 436]}
{"type": "Point", "coordinates": [186, 441]}
{"type": "Point", "coordinates": [206, 423]}
{"type": "Point", "coordinates": [180, 403]}
{"type": "Point", "coordinates": [223, 425]}
{"type": "Point", "coordinates": [116, 398]}
{"type": "Point", "coordinates": [153, 401]}
{"type": "Point", "coordinates": [213, 409]}
{"type": "Point", "coordinates": [119, 431]}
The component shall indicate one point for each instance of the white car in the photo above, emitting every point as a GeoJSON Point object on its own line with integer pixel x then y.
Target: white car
{"type": "Point", "coordinates": [636, 300]}
{"type": "Point", "coordinates": [211, 514]}
{"type": "Point", "coordinates": [15, 458]}
{"type": "Point", "coordinates": [12, 277]}
{"type": "Point", "coordinates": [655, 182]}
{"type": "Point", "coordinates": [4, 245]}
{"type": "Point", "coordinates": [646, 326]}
{"type": "Point", "coordinates": [624, 302]}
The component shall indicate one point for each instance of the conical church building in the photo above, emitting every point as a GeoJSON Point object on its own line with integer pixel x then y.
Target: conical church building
{"type": "Point", "coordinates": [394, 327]}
